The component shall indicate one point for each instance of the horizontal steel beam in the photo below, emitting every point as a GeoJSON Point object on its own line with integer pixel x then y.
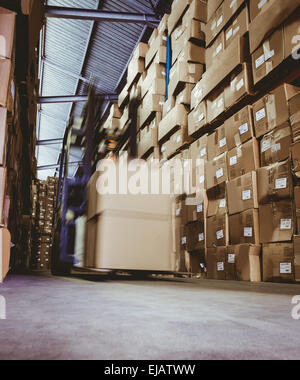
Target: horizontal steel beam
{"type": "Point", "coordinates": [96, 15]}
{"type": "Point", "coordinates": [55, 166]}
{"type": "Point", "coordinates": [73, 99]}
{"type": "Point", "coordinates": [49, 142]}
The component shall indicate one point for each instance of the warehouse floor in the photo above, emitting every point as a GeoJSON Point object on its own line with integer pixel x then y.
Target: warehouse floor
{"type": "Point", "coordinates": [75, 318]}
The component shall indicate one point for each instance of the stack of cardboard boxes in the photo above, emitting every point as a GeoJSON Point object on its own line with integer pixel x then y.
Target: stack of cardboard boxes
{"type": "Point", "coordinates": [233, 113]}
{"type": "Point", "coordinates": [44, 203]}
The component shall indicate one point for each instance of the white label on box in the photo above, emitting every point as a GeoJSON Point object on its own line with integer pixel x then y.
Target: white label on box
{"type": "Point", "coordinates": [233, 4]}
{"type": "Point", "coordinates": [178, 211]}
{"type": "Point", "coordinates": [201, 117]}
{"type": "Point", "coordinates": [220, 267]}
{"type": "Point", "coordinates": [246, 195]}
{"type": "Point", "coordinates": [219, 49]}
{"type": "Point", "coordinates": [220, 235]}
{"type": "Point", "coordinates": [261, 114]}
{"type": "Point", "coordinates": [203, 152]}
{"type": "Point", "coordinates": [229, 34]}
{"type": "Point", "coordinates": [213, 27]}
{"type": "Point", "coordinates": [178, 140]}
{"type": "Point", "coordinates": [219, 173]}
{"type": "Point", "coordinates": [269, 55]}
{"type": "Point", "coordinates": [276, 148]}
{"type": "Point", "coordinates": [199, 209]}
{"type": "Point", "coordinates": [236, 30]}
{"type": "Point", "coordinates": [248, 232]}
{"type": "Point", "coordinates": [244, 129]}
{"type": "Point", "coordinates": [231, 259]}
{"type": "Point", "coordinates": [286, 224]}
{"type": "Point", "coordinates": [261, 3]}
{"type": "Point", "coordinates": [165, 38]}
{"type": "Point", "coordinates": [183, 241]}
{"type": "Point", "coordinates": [201, 179]}
{"type": "Point", "coordinates": [260, 61]}
{"type": "Point", "coordinates": [201, 237]}
{"type": "Point", "coordinates": [285, 268]}
{"type": "Point", "coordinates": [266, 145]}
{"type": "Point", "coordinates": [222, 203]}
{"type": "Point", "coordinates": [281, 183]}
{"type": "Point", "coordinates": [220, 103]}
{"type": "Point", "coordinates": [240, 85]}
{"type": "Point", "coordinates": [219, 22]}
{"type": "Point", "coordinates": [223, 143]}
{"type": "Point", "coordinates": [233, 160]}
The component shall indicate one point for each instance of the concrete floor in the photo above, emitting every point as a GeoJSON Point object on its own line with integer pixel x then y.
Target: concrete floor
{"type": "Point", "coordinates": [73, 318]}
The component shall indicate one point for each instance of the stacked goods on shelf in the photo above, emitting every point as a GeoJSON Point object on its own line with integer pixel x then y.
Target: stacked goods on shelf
{"type": "Point", "coordinates": [44, 202]}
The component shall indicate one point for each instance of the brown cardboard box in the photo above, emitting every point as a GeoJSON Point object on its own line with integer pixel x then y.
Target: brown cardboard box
{"type": "Point", "coordinates": [7, 33]}
{"type": "Point", "coordinates": [3, 135]}
{"type": "Point", "coordinates": [195, 262]}
{"type": "Point", "coordinates": [181, 211]}
{"type": "Point", "coordinates": [216, 171]}
{"type": "Point", "coordinates": [212, 6]}
{"type": "Point", "coordinates": [197, 11]}
{"type": "Point", "coordinates": [178, 140]}
{"type": "Point", "coordinates": [275, 146]}
{"type": "Point", "coordinates": [295, 150]}
{"type": "Point", "coordinates": [242, 193]}
{"type": "Point", "coordinates": [153, 86]}
{"type": "Point", "coordinates": [217, 143]}
{"type": "Point", "coordinates": [177, 117]}
{"type": "Point", "coordinates": [216, 263]}
{"type": "Point", "coordinates": [244, 159]}
{"type": "Point", "coordinates": [217, 232]}
{"type": "Point", "coordinates": [256, 7]}
{"type": "Point", "coordinates": [196, 206]}
{"type": "Point", "coordinates": [294, 107]}
{"type": "Point", "coordinates": [163, 26]}
{"type": "Point", "coordinates": [238, 27]}
{"type": "Point", "coordinates": [141, 51]}
{"type": "Point", "coordinates": [217, 201]}
{"type": "Point", "coordinates": [273, 14]}
{"type": "Point", "coordinates": [291, 31]}
{"type": "Point", "coordinates": [275, 182]}
{"type": "Point", "coordinates": [147, 138]}
{"type": "Point", "coordinates": [182, 73]}
{"type": "Point", "coordinates": [5, 239]}
{"type": "Point", "coordinates": [3, 172]}
{"type": "Point", "coordinates": [151, 104]}
{"type": "Point", "coordinates": [215, 49]}
{"type": "Point", "coordinates": [224, 65]}
{"type": "Point", "coordinates": [297, 257]}
{"type": "Point", "coordinates": [240, 86]}
{"type": "Point", "coordinates": [195, 236]}
{"type": "Point", "coordinates": [278, 262]}
{"type": "Point", "coordinates": [169, 105]}
{"type": "Point", "coordinates": [297, 206]}
{"type": "Point", "coordinates": [196, 96]}
{"type": "Point", "coordinates": [271, 111]}
{"type": "Point", "coordinates": [269, 56]}
{"type": "Point", "coordinates": [5, 70]}
{"type": "Point", "coordinates": [184, 97]}
{"type": "Point", "coordinates": [245, 259]}
{"type": "Point", "coordinates": [244, 228]}
{"type": "Point", "coordinates": [215, 104]}
{"type": "Point", "coordinates": [239, 128]}
{"type": "Point", "coordinates": [157, 49]}
{"type": "Point", "coordinates": [198, 150]}
{"type": "Point", "coordinates": [135, 69]}
{"type": "Point", "coordinates": [197, 118]}
{"type": "Point", "coordinates": [276, 222]}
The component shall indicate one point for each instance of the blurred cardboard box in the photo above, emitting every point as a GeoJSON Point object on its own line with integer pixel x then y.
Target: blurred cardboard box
{"type": "Point", "coordinates": [157, 52]}
{"type": "Point", "coordinates": [196, 206]}
{"type": "Point", "coordinates": [275, 146]}
{"type": "Point", "coordinates": [275, 182]}
{"type": "Point", "coordinates": [244, 228]}
{"type": "Point", "coordinates": [123, 97]}
{"type": "Point", "coordinates": [147, 138]}
{"type": "Point", "coordinates": [197, 118]}
{"type": "Point", "coordinates": [239, 128]}
{"type": "Point", "coordinates": [217, 201]}
{"type": "Point", "coordinates": [245, 259]}
{"type": "Point", "coordinates": [197, 10]}
{"type": "Point", "coordinates": [198, 149]}
{"type": "Point", "coordinates": [242, 193]}
{"type": "Point", "coordinates": [216, 263]}
{"type": "Point", "coordinates": [177, 117]}
{"type": "Point", "coordinates": [243, 159]}
{"type": "Point", "coordinates": [278, 262]}
{"type": "Point", "coordinates": [5, 72]}
{"type": "Point", "coordinates": [216, 171]}
{"type": "Point", "coordinates": [169, 105]}
{"type": "Point", "coordinates": [195, 236]}
{"type": "Point", "coordinates": [238, 27]}
{"type": "Point", "coordinates": [217, 233]}
{"type": "Point", "coordinates": [276, 222]}
{"type": "Point", "coordinates": [215, 49]}
{"type": "Point", "coordinates": [182, 73]}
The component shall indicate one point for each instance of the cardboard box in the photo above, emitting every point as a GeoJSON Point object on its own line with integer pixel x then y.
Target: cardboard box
{"type": "Point", "coordinates": [3, 173]}
{"type": "Point", "coordinates": [276, 222]}
{"type": "Point", "coordinates": [297, 207]}
{"type": "Point", "coordinates": [5, 71]}
{"type": "Point", "coordinates": [195, 262]}
{"type": "Point", "coordinates": [272, 15]}
{"type": "Point", "coordinates": [275, 146]}
{"type": "Point", "coordinates": [163, 26]}
{"type": "Point", "coordinates": [215, 49]}
{"type": "Point", "coordinates": [256, 7]}
{"type": "Point", "coordinates": [5, 240]}
{"type": "Point", "coordinates": [147, 138]}
{"type": "Point", "coordinates": [212, 6]}
{"type": "Point", "coordinates": [244, 159]}
{"type": "Point", "coordinates": [151, 104]}
{"type": "Point", "coordinates": [196, 96]}
{"type": "Point", "coordinates": [245, 259]}
{"type": "Point", "coordinates": [216, 171]}
{"type": "Point", "coordinates": [196, 206]}
{"type": "Point", "coordinates": [198, 150]}
{"type": "Point", "coordinates": [181, 211]}
{"type": "Point", "coordinates": [238, 27]}
{"type": "Point", "coordinates": [7, 33]}
{"type": "Point", "coordinates": [197, 118]}
{"type": "Point", "coordinates": [140, 51]}
{"type": "Point", "coordinates": [294, 107]}
{"type": "Point", "coordinates": [217, 143]}
{"type": "Point", "coordinates": [177, 117]}
{"type": "Point", "coordinates": [169, 105]}
{"type": "Point", "coordinates": [271, 111]}
{"type": "Point", "coordinates": [182, 73]}
{"type": "Point", "coordinates": [239, 87]}
{"type": "Point", "coordinates": [217, 232]}
{"type": "Point", "coordinates": [135, 69]}
{"type": "Point", "coordinates": [176, 141]}
{"type": "Point", "coordinates": [244, 228]}
{"type": "Point", "coordinates": [239, 128]}
{"type": "Point", "coordinates": [278, 262]}
{"type": "Point", "coordinates": [275, 182]}
{"type": "Point", "coordinates": [3, 135]}
{"type": "Point", "coordinates": [184, 97]}
{"type": "Point", "coordinates": [195, 236]}
{"type": "Point", "coordinates": [216, 263]}
{"type": "Point", "coordinates": [291, 30]}
{"type": "Point", "coordinates": [157, 52]}
{"type": "Point", "coordinates": [242, 193]}
{"type": "Point", "coordinates": [295, 151]}
{"type": "Point", "coordinates": [297, 257]}
{"type": "Point", "coordinates": [153, 86]}
{"type": "Point", "coordinates": [217, 201]}
{"type": "Point", "coordinates": [268, 56]}
{"type": "Point", "coordinates": [197, 10]}
{"type": "Point", "coordinates": [215, 105]}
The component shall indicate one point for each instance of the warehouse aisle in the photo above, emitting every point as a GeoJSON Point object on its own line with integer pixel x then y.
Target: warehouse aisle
{"type": "Point", "coordinates": [51, 318]}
